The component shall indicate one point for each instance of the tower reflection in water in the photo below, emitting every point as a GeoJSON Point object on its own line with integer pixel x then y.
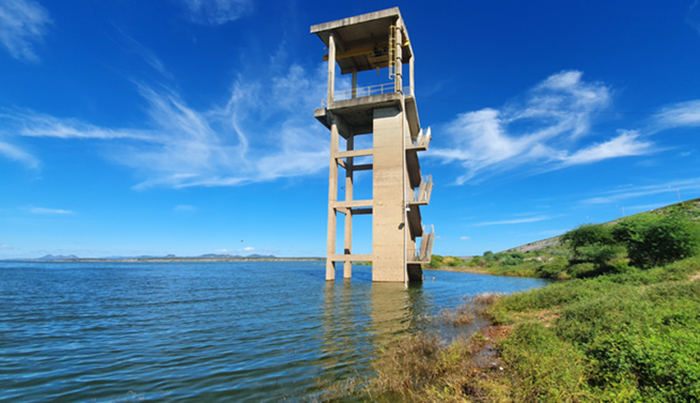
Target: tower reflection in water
{"type": "Point", "coordinates": [359, 316]}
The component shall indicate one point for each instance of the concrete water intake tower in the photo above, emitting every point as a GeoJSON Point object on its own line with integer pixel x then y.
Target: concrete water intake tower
{"type": "Point", "coordinates": [388, 113]}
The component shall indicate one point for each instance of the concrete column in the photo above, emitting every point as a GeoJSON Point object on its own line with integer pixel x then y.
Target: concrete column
{"type": "Point", "coordinates": [411, 67]}
{"type": "Point", "coordinates": [331, 67]}
{"type": "Point", "coordinates": [388, 212]}
{"type": "Point", "coordinates": [347, 266]}
{"type": "Point", "coordinates": [332, 197]}
{"type": "Point", "coordinates": [354, 84]}
{"type": "Point", "coordinates": [399, 53]}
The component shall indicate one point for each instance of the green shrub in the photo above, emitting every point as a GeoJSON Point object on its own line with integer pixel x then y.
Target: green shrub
{"type": "Point", "coordinates": [587, 235]}
{"type": "Point", "coordinates": [435, 261]}
{"type": "Point", "coordinates": [452, 261]}
{"type": "Point", "coordinates": [511, 260]}
{"type": "Point", "coordinates": [599, 254]}
{"type": "Point", "coordinates": [475, 261]}
{"type": "Point", "coordinates": [654, 240]}
{"type": "Point", "coordinates": [554, 269]}
{"type": "Point", "coordinates": [546, 368]}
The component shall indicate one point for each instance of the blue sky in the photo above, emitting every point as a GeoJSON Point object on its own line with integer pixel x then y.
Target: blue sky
{"type": "Point", "coordinates": [186, 126]}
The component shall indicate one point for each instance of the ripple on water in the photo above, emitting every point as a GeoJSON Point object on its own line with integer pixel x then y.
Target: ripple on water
{"type": "Point", "coordinates": [229, 331]}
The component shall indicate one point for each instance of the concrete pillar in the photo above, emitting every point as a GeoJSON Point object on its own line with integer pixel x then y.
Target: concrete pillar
{"type": "Point", "coordinates": [399, 65]}
{"type": "Point", "coordinates": [388, 221]}
{"type": "Point", "coordinates": [354, 84]}
{"type": "Point", "coordinates": [411, 74]}
{"type": "Point", "coordinates": [347, 266]}
{"type": "Point", "coordinates": [332, 198]}
{"type": "Point", "coordinates": [331, 67]}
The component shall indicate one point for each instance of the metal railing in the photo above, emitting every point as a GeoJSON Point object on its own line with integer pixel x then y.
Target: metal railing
{"type": "Point", "coordinates": [423, 138]}
{"type": "Point", "coordinates": [425, 189]}
{"type": "Point", "coordinates": [366, 92]}
{"type": "Point", "coordinates": [425, 251]}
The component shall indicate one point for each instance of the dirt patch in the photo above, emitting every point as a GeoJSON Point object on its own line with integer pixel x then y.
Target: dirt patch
{"type": "Point", "coordinates": [695, 278]}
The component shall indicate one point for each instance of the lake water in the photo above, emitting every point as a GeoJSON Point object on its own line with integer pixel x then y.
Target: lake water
{"type": "Point", "coordinates": [224, 331]}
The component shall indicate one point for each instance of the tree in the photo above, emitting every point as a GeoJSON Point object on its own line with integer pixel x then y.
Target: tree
{"type": "Point", "coordinates": [653, 240]}
{"type": "Point", "coordinates": [587, 235]}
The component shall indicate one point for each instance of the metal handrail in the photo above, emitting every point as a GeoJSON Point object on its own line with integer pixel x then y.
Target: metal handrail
{"type": "Point", "coordinates": [423, 138]}
{"type": "Point", "coordinates": [366, 92]}
{"type": "Point", "coordinates": [425, 251]}
{"type": "Point", "coordinates": [424, 189]}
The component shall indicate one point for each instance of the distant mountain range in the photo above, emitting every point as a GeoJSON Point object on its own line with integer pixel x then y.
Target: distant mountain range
{"type": "Point", "coordinates": [57, 257]}
{"type": "Point", "coordinates": [171, 256]}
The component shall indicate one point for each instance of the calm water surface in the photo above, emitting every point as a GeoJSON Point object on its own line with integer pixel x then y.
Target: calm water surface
{"type": "Point", "coordinates": [225, 331]}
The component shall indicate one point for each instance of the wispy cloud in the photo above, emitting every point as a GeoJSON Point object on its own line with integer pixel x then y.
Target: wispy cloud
{"type": "Point", "coordinates": [626, 144]}
{"type": "Point", "coordinates": [217, 12]}
{"type": "Point", "coordinates": [252, 138]}
{"type": "Point", "coordinates": [516, 221]}
{"type": "Point", "coordinates": [465, 238]}
{"type": "Point", "coordinates": [22, 24]}
{"type": "Point", "coordinates": [542, 129]}
{"type": "Point", "coordinates": [14, 153]}
{"type": "Point", "coordinates": [184, 207]}
{"type": "Point", "coordinates": [42, 210]}
{"type": "Point", "coordinates": [618, 195]}
{"type": "Point", "coordinates": [3, 246]}
{"type": "Point", "coordinates": [246, 249]}
{"type": "Point", "coordinates": [683, 114]}
{"type": "Point", "coordinates": [30, 124]}
{"type": "Point", "coordinates": [692, 18]}
{"type": "Point", "coordinates": [146, 54]}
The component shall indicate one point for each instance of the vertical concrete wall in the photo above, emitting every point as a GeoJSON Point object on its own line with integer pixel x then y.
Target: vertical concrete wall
{"type": "Point", "coordinates": [388, 237]}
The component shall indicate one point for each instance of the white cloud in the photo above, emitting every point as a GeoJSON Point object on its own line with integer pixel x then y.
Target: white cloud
{"type": "Point", "coordinates": [258, 135]}
{"type": "Point", "coordinates": [249, 249]}
{"type": "Point", "coordinates": [216, 12]}
{"type": "Point", "coordinates": [542, 130]}
{"type": "Point", "coordinates": [6, 247]}
{"type": "Point", "coordinates": [618, 195]}
{"type": "Point", "coordinates": [465, 238]}
{"type": "Point", "coordinates": [517, 221]}
{"type": "Point", "coordinates": [626, 144]}
{"type": "Point", "coordinates": [31, 124]}
{"type": "Point", "coordinates": [684, 114]}
{"type": "Point", "coordinates": [184, 207]}
{"type": "Point", "coordinates": [22, 23]}
{"type": "Point", "coordinates": [41, 210]}
{"type": "Point", "coordinates": [16, 154]}
{"type": "Point", "coordinates": [692, 18]}
{"type": "Point", "coordinates": [146, 54]}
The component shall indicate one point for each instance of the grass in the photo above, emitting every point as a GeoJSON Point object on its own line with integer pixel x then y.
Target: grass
{"type": "Point", "coordinates": [627, 337]}
{"type": "Point", "coordinates": [609, 332]}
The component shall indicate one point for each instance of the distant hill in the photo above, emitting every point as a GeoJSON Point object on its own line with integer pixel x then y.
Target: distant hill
{"type": "Point", "coordinates": [227, 256]}
{"type": "Point", "coordinates": [57, 257]}
{"type": "Point", "coordinates": [208, 256]}
{"type": "Point", "coordinates": [690, 207]}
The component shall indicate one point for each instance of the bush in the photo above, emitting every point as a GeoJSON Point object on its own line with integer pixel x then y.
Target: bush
{"type": "Point", "coordinates": [475, 261]}
{"type": "Point", "coordinates": [554, 269]}
{"type": "Point", "coordinates": [587, 235]}
{"type": "Point", "coordinates": [512, 260]}
{"type": "Point", "coordinates": [452, 261]}
{"type": "Point", "coordinates": [598, 254]}
{"type": "Point", "coordinates": [435, 261]}
{"type": "Point", "coordinates": [654, 240]}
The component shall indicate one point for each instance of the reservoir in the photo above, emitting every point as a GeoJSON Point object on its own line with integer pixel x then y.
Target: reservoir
{"type": "Point", "coordinates": [205, 331]}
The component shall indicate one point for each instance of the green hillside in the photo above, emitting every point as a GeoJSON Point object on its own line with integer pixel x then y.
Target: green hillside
{"type": "Point", "coordinates": [556, 257]}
